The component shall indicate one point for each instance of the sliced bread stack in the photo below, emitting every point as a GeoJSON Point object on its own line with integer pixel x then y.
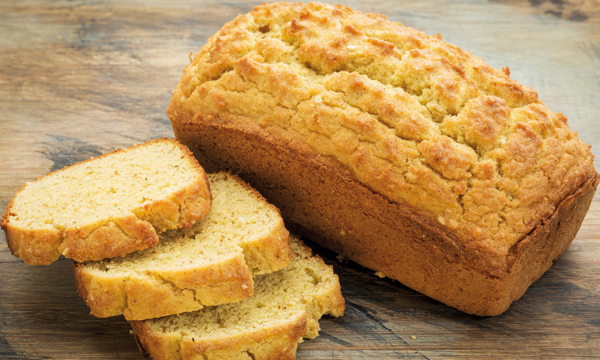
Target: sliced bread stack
{"type": "Point", "coordinates": [238, 258]}
{"type": "Point", "coordinates": [228, 276]}
{"type": "Point", "coordinates": [211, 263]}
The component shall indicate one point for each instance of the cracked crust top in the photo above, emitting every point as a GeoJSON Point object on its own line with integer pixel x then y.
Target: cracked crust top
{"type": "Point", "coordinates": [107, 206]}
{"type": "Point", "coordinates": [412, 117]}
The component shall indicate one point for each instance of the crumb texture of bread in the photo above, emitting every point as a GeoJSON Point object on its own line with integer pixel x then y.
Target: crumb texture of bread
{"type": "Point", "coordinates": [107, 206]}
{"type": "Point", "coordinates": [411, 117]}
{"type": "Point", "coordinates": [211, 263]}
{"type": "Point", "coordinates": [285, 308]}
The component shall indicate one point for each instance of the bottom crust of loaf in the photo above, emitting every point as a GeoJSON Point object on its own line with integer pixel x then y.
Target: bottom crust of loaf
{"type": "Point", "coordinates": [333, 209]}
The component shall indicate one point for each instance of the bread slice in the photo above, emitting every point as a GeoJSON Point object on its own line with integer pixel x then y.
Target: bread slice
{"type": "Point", "coordinates": [211, 263]}
{"type": "Point", "coordinates": [286, 306]}
{"type": "Point", "coordinates": [107, 206]}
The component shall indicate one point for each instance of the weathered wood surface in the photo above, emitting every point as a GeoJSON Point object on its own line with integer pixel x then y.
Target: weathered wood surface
{"type": "Point", "coordinates": [78, 79]}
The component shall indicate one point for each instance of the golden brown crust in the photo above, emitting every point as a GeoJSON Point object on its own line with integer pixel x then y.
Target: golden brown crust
{"type": "Point", "coordinates": [396, 119]}
{"type": "Point", "coordinates": [35, 247]}
{"type": "Point", "coordinates": [412, 117]}
{"type": "Point", "coordinates": [114, 236]}
{"type": "Point", "coordinates": [156, 294]}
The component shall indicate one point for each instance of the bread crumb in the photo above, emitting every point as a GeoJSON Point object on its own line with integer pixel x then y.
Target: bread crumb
{"type": "Point", "coordinates": [131, 332]}
{"type": "Point", "coordinates": [340, 258]}
{"type": "Point", "coordinates": [380, 274]}
{"type": "Point", "coordinates": [413, 337]}
{"type": "Point", "coordinates": [342, 233]}
{"type": "Point", "coordinates": [318, 98]}
{"type": "Point", "coordinates": [442, 220]}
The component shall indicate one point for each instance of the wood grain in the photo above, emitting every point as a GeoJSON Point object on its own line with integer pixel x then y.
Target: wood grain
{"type": "Point", "coordinates": [79, 79]}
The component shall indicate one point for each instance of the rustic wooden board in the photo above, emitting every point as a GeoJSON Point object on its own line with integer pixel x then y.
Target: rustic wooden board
{"type": "Point", "coordinates": [77, 80]}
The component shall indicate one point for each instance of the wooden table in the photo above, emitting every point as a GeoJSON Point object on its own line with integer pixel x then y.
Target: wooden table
{"type": "Point", "coordinates": [78, 80]}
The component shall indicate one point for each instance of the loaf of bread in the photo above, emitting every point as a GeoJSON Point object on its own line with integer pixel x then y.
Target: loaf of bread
{"type": "Point", "coordinates": [393, 148]}
{"type": "Point", "coordinates": [212, 263]}
{"type": "Point", "coordinates": [286, 307]}
{"type": "Point", "coordinates": [107, 206]}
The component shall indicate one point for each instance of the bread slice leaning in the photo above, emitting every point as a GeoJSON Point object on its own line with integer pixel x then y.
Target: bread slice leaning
{"type": "Point", "coordinates": [107, 206]}
{"type": "Point", "coordinates": [286, 307]}
{"type": "Point", "coordinates": [211, 263]}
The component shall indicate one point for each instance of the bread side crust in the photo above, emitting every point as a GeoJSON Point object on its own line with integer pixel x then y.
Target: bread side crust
{"type": "Point", "coordinates": [341, 214]}
{"type": "Point", "coordinates": [151, 295]}
{"type": "Point", "coordinates": [115, 236]}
